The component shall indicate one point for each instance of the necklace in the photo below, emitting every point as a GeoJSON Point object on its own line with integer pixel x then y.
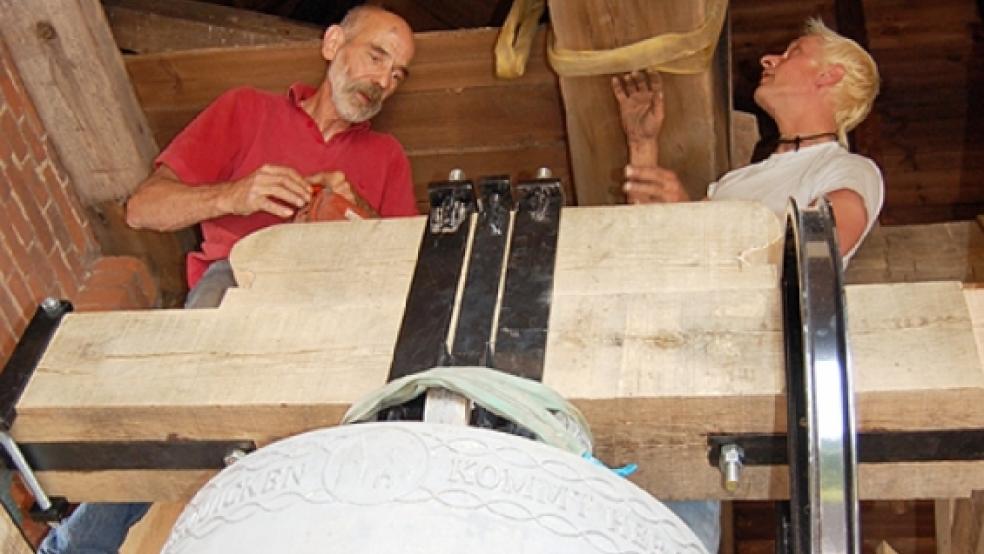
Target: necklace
{"type": "Point", "coordinates": [797, 140]}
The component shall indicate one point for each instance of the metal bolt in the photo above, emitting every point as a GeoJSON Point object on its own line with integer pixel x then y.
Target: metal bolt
{"type": "Point", "coordinates": [456, 174]}
{"type": "Point", "coordinates": [544, 173]}
{"type": "Point", "coordinates": [51, 305]}
{"type": "Point", "coordinates": [730, 464]}
{"type": "Point", "coordinates": [233, 456]}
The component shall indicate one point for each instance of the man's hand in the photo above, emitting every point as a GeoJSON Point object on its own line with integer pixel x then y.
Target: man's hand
{"type": "Point", "coordinates": [271, 188]}
{"type": "Point", "coordinates": [336, 182]}
{"type": "Point", "coordinates": [640, 104]}
{"type": "Point", "coordinates": [646, 185]}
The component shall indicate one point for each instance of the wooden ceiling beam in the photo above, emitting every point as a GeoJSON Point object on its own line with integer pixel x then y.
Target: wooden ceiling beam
{"type": "Point", "coordinates": [147, 26]}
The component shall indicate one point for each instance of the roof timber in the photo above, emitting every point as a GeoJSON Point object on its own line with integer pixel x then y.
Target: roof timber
{"type": "Point", "coordinates": [148, 26]}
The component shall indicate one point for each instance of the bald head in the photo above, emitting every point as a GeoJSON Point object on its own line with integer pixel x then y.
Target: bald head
{"type": "Point", "coordinates": [368, 53]}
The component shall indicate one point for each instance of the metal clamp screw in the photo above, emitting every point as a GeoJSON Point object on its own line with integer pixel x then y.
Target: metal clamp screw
{"type": "Point", "coordinates": [51, 305]}
{"type": "Point", "coordinates": [730, 464]}
{"type": "Point", "coordinates": [544, 173]}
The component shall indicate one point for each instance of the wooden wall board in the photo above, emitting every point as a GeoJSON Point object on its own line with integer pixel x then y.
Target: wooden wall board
{"type": "Point", "coordinates": [147, 26]}
{"type": "Point", "coordinates": [910, 253]}
{"type": "Point", "coordinates": [452, 112]}
{"type": "Point", "coordinates": [654, 354]}
{"type": "Point", "coordinates": [694, 141]}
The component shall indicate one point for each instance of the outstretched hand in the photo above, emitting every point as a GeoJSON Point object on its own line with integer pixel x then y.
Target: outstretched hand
{"type": "Point", "coordinates": [640, 104]}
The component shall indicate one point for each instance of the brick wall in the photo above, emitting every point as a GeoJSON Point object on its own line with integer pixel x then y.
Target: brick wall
{"type": "Point", "coordinates": [46, 243]}
{"type": "Point", "coordinates": [47, 247]}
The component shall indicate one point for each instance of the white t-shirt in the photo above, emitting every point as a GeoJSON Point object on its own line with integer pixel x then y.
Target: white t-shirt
{"type": "Point", "coordinates": [806, 175]}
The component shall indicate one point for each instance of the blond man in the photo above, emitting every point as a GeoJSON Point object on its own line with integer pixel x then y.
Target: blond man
{"type": "Point", "coordinates": [817, 91]}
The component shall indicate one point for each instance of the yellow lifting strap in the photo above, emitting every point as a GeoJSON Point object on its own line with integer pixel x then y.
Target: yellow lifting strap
{"type": "Point", "coordinates": [682, 53]}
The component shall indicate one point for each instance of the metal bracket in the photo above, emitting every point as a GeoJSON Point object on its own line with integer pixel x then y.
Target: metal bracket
{"type": "Point", "coordinates": [880, 447]}
{"type": "Point", "coordinates": [521, 337]}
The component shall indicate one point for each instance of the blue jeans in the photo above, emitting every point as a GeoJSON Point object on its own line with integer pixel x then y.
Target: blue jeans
{"type": "Point", "coordinates": [101, 528]}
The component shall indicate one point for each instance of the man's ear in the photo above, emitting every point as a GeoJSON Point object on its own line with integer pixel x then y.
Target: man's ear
{"type": "Point", "coordinates": [334, 39]}
{"type": "Point", "coordinates": [831, 75]}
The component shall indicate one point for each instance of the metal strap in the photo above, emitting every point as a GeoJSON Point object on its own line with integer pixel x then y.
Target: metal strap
{"type": "Point", "coordinates": [422, 341]}
{"type": "Point", "coordinates": [521, 337]}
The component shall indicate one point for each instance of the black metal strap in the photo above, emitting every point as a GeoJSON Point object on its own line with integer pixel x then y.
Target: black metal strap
{"type": "Point", "coordinates": [521, 337]}
{"type": "Point", "coordinates": [26, 355]}
{"type": "Point", "coordinates": [945, 445]}
{"type": "Point", "coordinates": [422, 341]}
{"type": "Point", "coordinates": [473, 332]}
{"type": "Point", "coordinates": [131, 455]}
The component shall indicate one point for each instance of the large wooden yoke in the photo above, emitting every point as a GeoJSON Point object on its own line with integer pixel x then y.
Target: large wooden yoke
{"type": "Point", "coordinates": [665, 327]}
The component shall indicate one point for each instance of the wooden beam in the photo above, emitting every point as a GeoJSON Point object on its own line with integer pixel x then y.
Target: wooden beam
{"type": "Point", "coordinates": [74, 74]}
{"type": "Point", "coordinates": [694, 141]}
{"type": "Point", "coordinates": [658, 334]}
{"type": "Point", "coordinates": [912, 253]}
{"type": "Point", "coordinates": [960, 524]}
{"type": "Point", "coordinates": [148, 26]}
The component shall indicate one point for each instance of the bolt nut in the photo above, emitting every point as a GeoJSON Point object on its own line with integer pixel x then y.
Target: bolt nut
{"type": "Point", "coordinates": [456, 174]}
{"type": "Point", "coordinates": [730, 465]}
{"type": "Point", "coordinates": [51, 305]}
{"type": "Point", "coordinates": [544, 173]}
{"type": "Point", "coordinates": [233, 456]}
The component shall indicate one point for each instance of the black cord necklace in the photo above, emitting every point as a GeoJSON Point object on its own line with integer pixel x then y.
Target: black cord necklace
{"type": "Point", "coordinates": [797, 140]}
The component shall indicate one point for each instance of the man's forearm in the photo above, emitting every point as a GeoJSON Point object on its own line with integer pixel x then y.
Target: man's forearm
{"type": "Point", "coordinates": [644, 152]}
{"type": "Point", "coordinates": [165, 204]}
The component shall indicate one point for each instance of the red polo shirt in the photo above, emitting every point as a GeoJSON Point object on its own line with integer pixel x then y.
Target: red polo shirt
{"type": "Point", "coordinates": [246, 128]}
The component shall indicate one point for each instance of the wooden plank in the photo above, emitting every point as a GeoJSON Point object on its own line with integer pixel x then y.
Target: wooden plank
{"type": "Point", "coordinates": [911, 253]}
{"type": "Point", "coordinates": [960, 524]}
{"type": "Point", "coordinates": [694, 139]}
{"type": "Point", "coordinates": [146, 26]}
{"type": "Point", "coordinates": [659, 334]}
{"type": "Point", "coordinates": [151, 532]}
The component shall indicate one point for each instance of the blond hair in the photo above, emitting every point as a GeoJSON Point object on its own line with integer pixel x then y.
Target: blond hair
{"type": "Point", "coordinates": [855, 94]}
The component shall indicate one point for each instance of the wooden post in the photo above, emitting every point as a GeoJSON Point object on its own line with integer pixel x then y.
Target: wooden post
{"type": "Point", "coordinates": [694, 142]}
{"type": "Point", "coordinates": [66, 56]}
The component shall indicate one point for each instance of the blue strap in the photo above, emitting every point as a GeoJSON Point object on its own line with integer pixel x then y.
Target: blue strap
{"type": "Point", "coordinates": [624, 471]}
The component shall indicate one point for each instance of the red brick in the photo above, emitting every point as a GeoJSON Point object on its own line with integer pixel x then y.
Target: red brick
{"type": "Point", "coordinates": [32, 195]}
{"type": "Point", "coordinates": [69, 282]}
{"type": "Point", "coordinates": [10, 86]}
{"type": "Point", "coordinates": [13, 145]}
{"type": "Point", "coordinates": [35, 139]}
{"type": "Point", "coordinates": [119, 282]}
{"type": "Point", "coordinates": [8, 338]}
{"type": "Point", "coordinates": [16, 219]}
{"type": "Point", "coordinates": [57, 226]}
{"type": "Point", "coordinates": [98, 299]}
{"type": "Point", "coordinates": [20, 302]}
{"type": "Point", "coordinates": [80, 236]}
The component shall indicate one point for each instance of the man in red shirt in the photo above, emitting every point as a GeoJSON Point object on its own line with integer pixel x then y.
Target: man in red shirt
{"type": "Point", "coordinates": [251, 160]}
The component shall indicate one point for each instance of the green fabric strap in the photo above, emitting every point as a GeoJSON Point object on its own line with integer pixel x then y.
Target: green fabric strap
{"type": "Point", "coordinates": [531, 404]}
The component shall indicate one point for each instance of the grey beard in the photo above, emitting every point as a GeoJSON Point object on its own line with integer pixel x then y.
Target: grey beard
{"type": "Point", "coordinates": [342, 98]}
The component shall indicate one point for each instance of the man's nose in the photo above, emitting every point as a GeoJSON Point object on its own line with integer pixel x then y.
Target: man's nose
{"type": "Point", "coordinates": [769, 61]}
{"type": "Point", "coordinates": [383, 79]}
